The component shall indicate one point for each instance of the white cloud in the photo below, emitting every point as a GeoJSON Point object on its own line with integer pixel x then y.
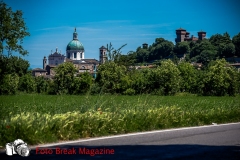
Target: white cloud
{"type": "Point", "coordinates": [52, 28]}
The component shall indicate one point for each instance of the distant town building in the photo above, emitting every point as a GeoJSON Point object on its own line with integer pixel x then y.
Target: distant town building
{"type": "Point", "coordinates": [75, 49]}
{"type": "Point", "coordinates": [145, 46]}
{"type": "Point", "coordinates": [74, 54]}
{"type": "Point", "coordinates": [102, 54]}
{"type": "Point", "coordinates": [55, 58]}
{"type": "Point", "coordinates": [39, 72]}
{"type": "Point", "coordinates": [183, 35]}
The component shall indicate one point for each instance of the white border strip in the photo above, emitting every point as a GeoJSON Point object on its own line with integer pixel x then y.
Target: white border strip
{"type": "Point", "coordinates": [131, 134]}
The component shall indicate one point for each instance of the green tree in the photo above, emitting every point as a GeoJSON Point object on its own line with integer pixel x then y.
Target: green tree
{"type": "Point", "coordinates": [220, 79]}
{"type": "Point", "coordinates": [188, 77]}
{"type": "Point", "coordinates": [27, 83]}
{"type": "Point", "coordinates": [203, 52]}
{"type": "Point", "coordinates": [223, 45]}
{"type": "Point", "coordinates": [200, 76]}
{"type": "Point", "coordinates": [82, 83]}
{"type": "Point", "coordinates": [233, 88]}
{"type": "Point", "coordinates": [41, 84]}
{"type": "Point", "coordinates": [238, 82]}
{"type": "Point", "coordinates": [142, 55]}
{"type": "Point", "coordinates": [64, 78]}
{"type": "Point", "coordinates": [9, 84]}
{"type": "Point", "coordinates": [51, 87]}
{"type": "Point", "coordinates": [182, 48]}
{"type": "Point", "coordinates": [228, 50]}
{"type": "Point", "coordinates": [169, 78]}
{"type": "Point", "coordinates": [140, 81]}
{"type": "Point", "coordinates": [161, 49]}
{"type": "Point", "coordinates": [12, 30]}
{"type": "Point", "coordinates": [206, 56]}
{"type": "Point", "coordinates": [13, 64]}
{"type": "Point", "coordinates": [236, 42]}
{"type": "Point", "coordinates": [127, 60]}
{"type": "Point", "coordinates": [109, 77]}
{"type": "Point", "coordinates": [164, 80]}
{"type": "Point", "coordinates": [126, 82]}
{"type": "Point", "coordinates": [218, 39]}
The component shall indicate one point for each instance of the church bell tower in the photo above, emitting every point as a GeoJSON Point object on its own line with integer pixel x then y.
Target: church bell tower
{"type": "Point", "coordinates": [102, 54]}
{"type": "Point", "coordinates": [44, 62]}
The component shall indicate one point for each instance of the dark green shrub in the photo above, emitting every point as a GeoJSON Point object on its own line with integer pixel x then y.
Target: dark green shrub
{"type": "Point", "coordinates": [9, 84]}
{"type": "Point", "coordinates": [27, 83]}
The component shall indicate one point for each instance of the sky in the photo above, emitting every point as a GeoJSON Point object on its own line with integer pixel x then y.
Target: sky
{"type": "Point", "coordinates": [51, 23]}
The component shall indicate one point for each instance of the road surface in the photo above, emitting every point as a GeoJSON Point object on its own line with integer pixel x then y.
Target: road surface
{"type": "Point", "coordinates": [205, 142]}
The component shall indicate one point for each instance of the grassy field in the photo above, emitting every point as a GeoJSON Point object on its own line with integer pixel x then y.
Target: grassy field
{"type": "Point", "coordinates": [44, 118]}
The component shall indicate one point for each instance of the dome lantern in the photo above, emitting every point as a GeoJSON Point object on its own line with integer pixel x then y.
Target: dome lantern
{"type": "Point", "coordinates": [75, 35]}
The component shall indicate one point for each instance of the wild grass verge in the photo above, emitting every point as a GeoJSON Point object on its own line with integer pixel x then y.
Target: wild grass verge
{"type": "Point", "coordinates": [42, 118]}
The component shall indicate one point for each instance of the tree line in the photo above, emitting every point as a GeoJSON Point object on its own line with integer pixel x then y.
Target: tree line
{"type": "Point", "coordinates": [217, 79]}
{"type": "Point", "coordinates": [202, 51]}
{"type": "Point", "coordinates": [167, 78]}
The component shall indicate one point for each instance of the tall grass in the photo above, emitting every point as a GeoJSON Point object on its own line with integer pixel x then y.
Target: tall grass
{"type": "Point", "coordinates": [44, 118]}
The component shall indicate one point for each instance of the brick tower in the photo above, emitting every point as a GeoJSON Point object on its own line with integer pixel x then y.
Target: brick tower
{"type": "Point", "coordinates": [102, 54]}
{"type": "Point", "coordinates": [181, 33]}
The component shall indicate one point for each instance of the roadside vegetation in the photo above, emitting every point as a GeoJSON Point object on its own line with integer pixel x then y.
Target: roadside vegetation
{"type": "Point", "coordinates": [49, 118]}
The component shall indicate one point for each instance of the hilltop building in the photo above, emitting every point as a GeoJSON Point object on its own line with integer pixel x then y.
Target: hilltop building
{"type": "Point", "coordinates": [145, 46]}
{"type": "Point", "coordinates": [183, 35]}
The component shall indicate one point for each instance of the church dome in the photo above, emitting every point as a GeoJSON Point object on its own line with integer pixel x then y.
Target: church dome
{"type": "Point", "coordinates": [75, 45]}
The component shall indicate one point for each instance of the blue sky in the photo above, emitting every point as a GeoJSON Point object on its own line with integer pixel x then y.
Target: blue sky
{"type": "Point", "coordinates": [52, 22]}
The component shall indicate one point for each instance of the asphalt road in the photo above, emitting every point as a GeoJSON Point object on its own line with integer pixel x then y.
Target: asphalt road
{"type": "Point", "coordinates": [206, 142]}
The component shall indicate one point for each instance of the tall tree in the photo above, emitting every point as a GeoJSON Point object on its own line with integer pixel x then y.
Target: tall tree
{"type": "Point", "coordinates": [109, 76]}
{"type": "Point", "coordinates": [9, 84]}
{"type": "Point", "coordinates": [223, 45]}
{"type": "Point", "coordinates": [189, 77]}
{"type": "Point", "coordinates": [82, 83]}
{"type": "Point", "coordinates": [13, 64]}
{"type": "Point", "coordinates": [127, 60]}
{"type": "Point", "coordinates": [142, 55]}
{"type": "Point", "coordinates": [182, 48]}
{"type": "Point", "coordinates": [218, 39]}
{"type": "Point", "coordinates": [64, 78]}
{"type": "Point", "coordinates": [143, 80]}
{"type": "Point", "coordinates": [236, 42]}
{"type": "Point", "coordinates": [27, 83]}
{"type": "Point", "coordinates": [161, 49]}
{"type": "Point", "coordinates": [41, 84]}
{"type": "Point", "coordinates": [168, 77]}
{"type": "Point", "coordinates": [220, 79]}
{"type": "Point", "coordinates": [203, 52]}
{"type": "Point", "coordinates": [12, 30]}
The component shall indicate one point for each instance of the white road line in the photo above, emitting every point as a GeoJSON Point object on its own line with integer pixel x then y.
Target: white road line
{"type": "Point", "coordinates": [131, 134]}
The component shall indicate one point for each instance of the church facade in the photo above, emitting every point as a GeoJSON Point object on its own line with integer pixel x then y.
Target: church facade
{"type": "Point", "coordinates": [75, 53]}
